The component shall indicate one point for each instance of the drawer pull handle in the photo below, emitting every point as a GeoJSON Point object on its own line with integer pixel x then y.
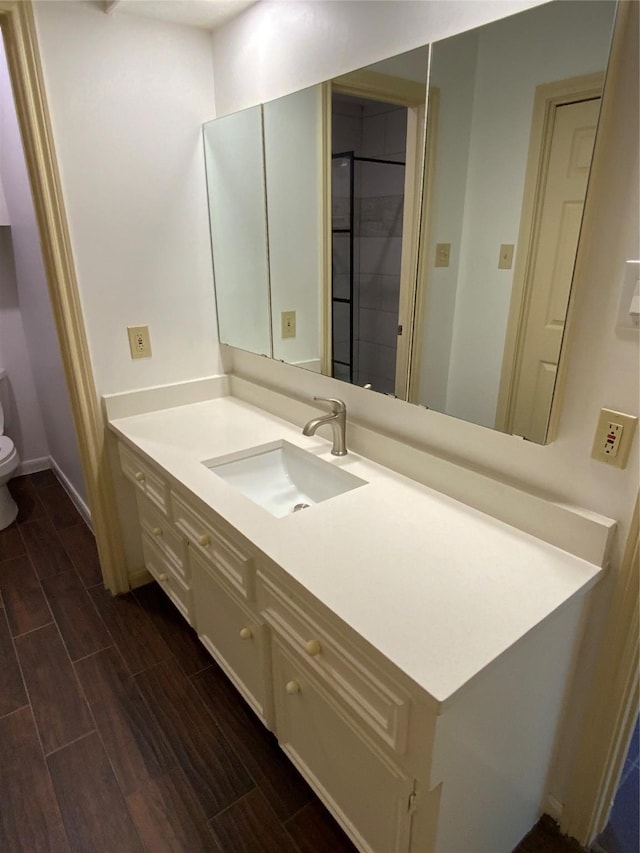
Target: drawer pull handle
{"type": "Point", "coordinates": [245, 634]}
{"type": "Point", "coordinates": [312, 648]}
{"type": "Point", "coordinates": [163, 577]}
{"type": "Point", "coordinates": [139, 476]}
{"type": "Point", "coordinates": [157, 531]}
{"type": "Point", "coordinates": [204, 540]}
{"type": "Point", "coordinates": [292, 687]}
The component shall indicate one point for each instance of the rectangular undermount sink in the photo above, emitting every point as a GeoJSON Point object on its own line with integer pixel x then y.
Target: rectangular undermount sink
{"type": "Point", "coordinates": [282, 478]}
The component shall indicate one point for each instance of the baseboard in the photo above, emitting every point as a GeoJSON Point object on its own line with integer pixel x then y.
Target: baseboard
{"type": "Point", "coordinates": [32, 466]}
{"type": "Point", "coordinates": [139, 577]}
{"type": "Point", "coordinates": [76, 500]}
{"type": "Point", "coordinates": [553, 807]}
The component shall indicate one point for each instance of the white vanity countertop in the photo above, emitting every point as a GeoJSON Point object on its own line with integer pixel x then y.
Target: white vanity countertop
{"type": "Point", "coordinates": [439, 588]}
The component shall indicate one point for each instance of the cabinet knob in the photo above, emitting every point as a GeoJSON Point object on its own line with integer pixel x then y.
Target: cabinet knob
{"type": "Point", "coordinates": [139, 476]}
{"type": "Point", "coordinates": [204, 540]}
{"type": "Point", "coordinates": [292, 687]}
{"type": "Point", "coordinates": [157, 531]}
{"type": "Point", "coordinates": [312, 647]}
{"type": "Point", "coordinates": [245, 634]}
{"type": "Point", "coordinates": [163, 577]}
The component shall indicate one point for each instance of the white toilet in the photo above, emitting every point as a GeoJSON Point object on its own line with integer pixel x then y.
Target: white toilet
{"type": "Point", "coordinates": [9, 459]}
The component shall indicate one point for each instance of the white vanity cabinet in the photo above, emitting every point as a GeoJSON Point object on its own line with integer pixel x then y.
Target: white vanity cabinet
{"type": "Point", "coordinates": [340, 716]}
{"type": "Point", "coordinates": [342, 719]}
{"type": "Point", "coordinates": [402, 770]}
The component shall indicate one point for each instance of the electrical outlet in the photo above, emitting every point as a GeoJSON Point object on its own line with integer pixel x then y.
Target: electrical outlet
{"type": "Point", "coordinates": [288, 324]}
{"type": "Point", "coordinates": [443, 254]}
{"type": "Point", "coordinates": [613, 438]}
{"type": "Point", "coordinates": [139, 342]}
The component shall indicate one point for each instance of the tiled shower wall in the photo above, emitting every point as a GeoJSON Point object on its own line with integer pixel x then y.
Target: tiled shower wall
{"type": "Point", "coordinates": [375, 130]}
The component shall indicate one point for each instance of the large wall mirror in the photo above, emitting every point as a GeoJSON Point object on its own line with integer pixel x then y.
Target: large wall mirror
{"type": "Point", "coordinates": [436, 267]}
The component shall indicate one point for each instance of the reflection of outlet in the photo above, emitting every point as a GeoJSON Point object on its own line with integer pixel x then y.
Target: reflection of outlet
{"type": "Point", "coordinates": [288, 324]}
{"type": "Point", "coordinates": [139, 342]}
{"type": "Point", "coordinates": [443, 254]}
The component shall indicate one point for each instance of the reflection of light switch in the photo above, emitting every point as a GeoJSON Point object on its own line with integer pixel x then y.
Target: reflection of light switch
{"type": "Point", "coordinates": [288, 324]}
{"type": "Point", "coordinates": [506, 256]}
{"type": "Point", "coordinates": [443, 251]}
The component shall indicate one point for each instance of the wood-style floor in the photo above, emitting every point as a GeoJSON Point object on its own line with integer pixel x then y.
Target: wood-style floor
{"type": "Point", "coordinates": [118, 732]}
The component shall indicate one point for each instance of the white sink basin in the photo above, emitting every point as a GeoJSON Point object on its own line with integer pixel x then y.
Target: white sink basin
{"type": "Point", "coordinates": [282, 478]}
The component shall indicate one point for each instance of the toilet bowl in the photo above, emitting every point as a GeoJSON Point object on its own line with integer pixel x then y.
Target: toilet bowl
{"type": "Point", "coordinates": [9, 461]}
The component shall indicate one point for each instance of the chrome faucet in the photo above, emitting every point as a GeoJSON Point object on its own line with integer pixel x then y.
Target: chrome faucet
{"type": "Point", "coordinates": [338, 420]}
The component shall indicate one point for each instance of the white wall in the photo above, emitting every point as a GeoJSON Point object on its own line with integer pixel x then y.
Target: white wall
{"type": "Point", "coordinates": [324, 39]}
{"type": "Point", "coordinates": [514, 56]}
{"type": "Point", "coordinates": [31, 353]}
{"type": "Point", "coordinates": [127, 97]}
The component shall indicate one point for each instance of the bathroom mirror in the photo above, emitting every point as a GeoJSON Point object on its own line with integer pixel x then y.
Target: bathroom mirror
{"type": "Point", "coordinates": [236, 191]}
{"type": "Point", "coordinates": [294, 169]}
{"type": "Point", "coordinates": [467, 316]}
{"type": "Point", "coordinates": [517, 104]}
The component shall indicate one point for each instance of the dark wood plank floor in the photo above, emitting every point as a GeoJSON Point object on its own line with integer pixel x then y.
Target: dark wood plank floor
{"type": "Point", "coordinates": [118, 732]}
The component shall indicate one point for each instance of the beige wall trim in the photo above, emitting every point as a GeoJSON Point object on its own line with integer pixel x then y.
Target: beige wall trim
{"type": "Point", "coordinates": [613, 706]}
{"type": "Point", "coordinates": [18, 27]}
{"type": "Point", "coordinates": [381, 87]}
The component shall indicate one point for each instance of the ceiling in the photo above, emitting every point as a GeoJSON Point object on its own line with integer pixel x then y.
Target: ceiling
{"type": "Point", "coordinates": [206, 14]}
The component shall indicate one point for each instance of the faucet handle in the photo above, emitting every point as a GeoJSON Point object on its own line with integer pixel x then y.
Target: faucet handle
{"type": "Point", "coordinates": [337, 406]}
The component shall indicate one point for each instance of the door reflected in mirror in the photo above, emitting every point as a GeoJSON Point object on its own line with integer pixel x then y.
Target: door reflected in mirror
{"type": "Point", "coordinates": [377, 132]}
{"type": "Point", "coordinates": [518, 103]}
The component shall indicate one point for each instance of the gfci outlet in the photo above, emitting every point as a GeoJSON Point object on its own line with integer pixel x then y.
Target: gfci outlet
{"type": "Point", "coordinates": [613, 438]}
{"type": "Point", "coordinates": [139, 342]}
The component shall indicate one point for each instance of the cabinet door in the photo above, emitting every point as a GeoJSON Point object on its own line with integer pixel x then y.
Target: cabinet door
{"type": "Point", "coordinates": [368, 794]}
{"type": "Point", "coordinates": [232, 633]}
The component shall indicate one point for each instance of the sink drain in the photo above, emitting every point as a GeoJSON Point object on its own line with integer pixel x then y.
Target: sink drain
{"type": "Point", "coordinates": [298, 507]}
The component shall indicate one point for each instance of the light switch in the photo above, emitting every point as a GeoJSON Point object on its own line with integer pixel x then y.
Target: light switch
{"type": "Point", "coordinates": [505, 260]}
{"type": "Point", "coordinates": [443, 253]}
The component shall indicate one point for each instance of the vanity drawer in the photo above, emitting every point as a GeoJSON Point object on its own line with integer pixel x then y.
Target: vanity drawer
{"type": "Point", "coordinates": [206, 541]}
{"type": "Point", "coordinates": [366, 693]}
{"type": "Point", "coordinates": [164, 536]}
{"type": "Point", "coordinates": [144, 478]}
{"type": "Point", "coordinates": [233, 634]}
{"type": "Point", "coordinates": [164, 572]}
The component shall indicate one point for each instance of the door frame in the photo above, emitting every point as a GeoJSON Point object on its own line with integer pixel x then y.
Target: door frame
{"type": "Point", "coordinates": [25, 71]}
{"type": "Point", "coordinates": [412, 95]}
{"type": "Point", "coordinates": [548, 97]}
